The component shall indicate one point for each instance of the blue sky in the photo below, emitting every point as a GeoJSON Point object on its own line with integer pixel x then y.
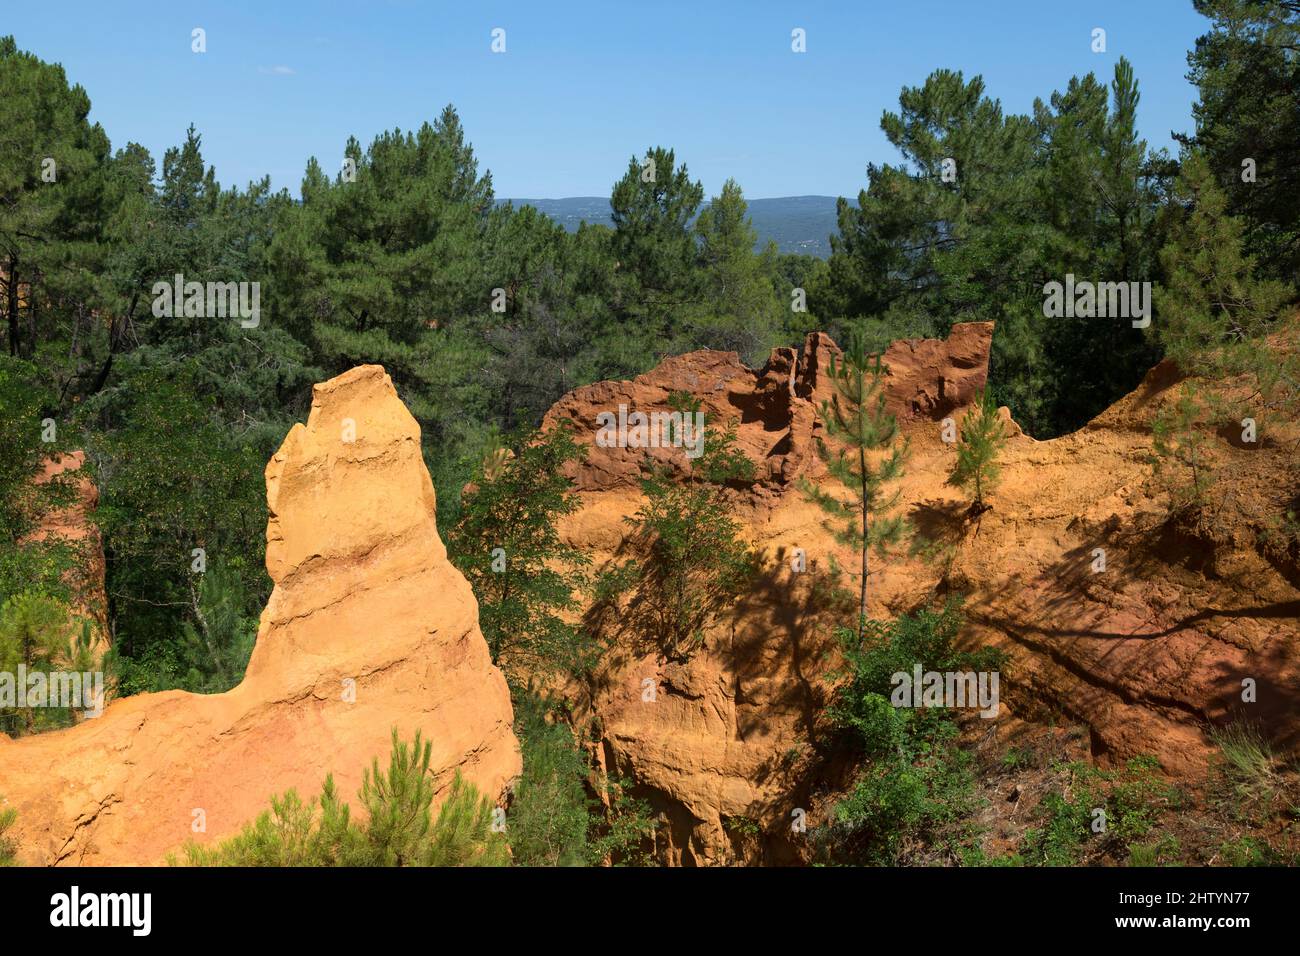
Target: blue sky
{"type": "Point", "coordinates": [584, 85]}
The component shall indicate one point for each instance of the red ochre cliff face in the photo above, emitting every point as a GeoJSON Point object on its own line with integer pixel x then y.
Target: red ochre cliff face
{"type": "Point", "coordinates": [1148, 653]}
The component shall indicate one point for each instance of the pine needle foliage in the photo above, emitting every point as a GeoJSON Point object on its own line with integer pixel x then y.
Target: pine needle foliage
{"type": "Point", "coordinates": [867, 457]}
{"type": "Point", "coordinates": [982, 435]}
{"type": "Point", "coordinates": [399, 830]}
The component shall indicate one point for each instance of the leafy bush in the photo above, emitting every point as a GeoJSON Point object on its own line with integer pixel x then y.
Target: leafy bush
{"type": "Point", "coordinates": [27, 563]}
{"type": "Point", "coordinates": [696, 562]}
{"type": "Point", "coordinates": [549, 815]}
{"type": "Point", "coordinates": [926, 637]}
{"type": "Point", "coordinates": [918, 786]}
{"type": "Point", "coordinates": [1132, 798]}
{"type": "Point", "coordinates": [506, 543]}
{"type": "Point", "coordinates": [555, 820]}
{"type": "Point", "coordinates": [905, 809]}
{"type": "Point", "coordinates": [175, 479]}
{"type": "Point", "coordinates": [1064, 826]}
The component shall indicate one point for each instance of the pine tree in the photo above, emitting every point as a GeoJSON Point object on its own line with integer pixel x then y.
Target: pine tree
{"type": "Point", "coordinates": [858, 422]}
{"type": "Point", "coordinates": [41, 634]}
{"type": "Point", "coordinates": [221, 636]}
{"type": "Point", "coordinates": [1100, 198]}
{"type": "Point", "coordinates": [652, 207]}
{"type": "Point", "coordinates": [738, 309]}
{"type": "Point", "coordinates": [397, 802]}
{"type": "Point", "coordinates": [46, 211]}
{"type": "Point", "coordinates": [1213, 314]}
{"type": "Point", "coordinates": [463, 834]}
{"type": "Point", "coordinates": [985, 207]}
{"type": "Point", "coordinates": [379, 264]}
{"type": "Point", "coordinates": [399, 830]}
{"type": "Point", "coordinates": [1181, 459]}
{"type": "Point", "coordinates": [983, 433]}
{"type": "Point", "coordinates": [1214, 317]}
{"type": "Point", "coordinates": [1247, 74]}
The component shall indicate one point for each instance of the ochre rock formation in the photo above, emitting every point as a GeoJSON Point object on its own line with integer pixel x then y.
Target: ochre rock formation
{"type": "Point", "coordinates": [73, 523]}
{"type": "Point", "coordinates": [363, 592]}
{"type": "Point", "coordinates": [1149, 653]}
{"type": "Point", "coordinates": [776, 406]}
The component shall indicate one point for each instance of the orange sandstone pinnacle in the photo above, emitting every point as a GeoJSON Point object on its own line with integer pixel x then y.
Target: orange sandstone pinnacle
{"type": "Point", "coordinates": [363, 593]}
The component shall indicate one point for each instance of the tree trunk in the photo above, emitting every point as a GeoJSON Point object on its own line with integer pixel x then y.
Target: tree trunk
{"type": "Point", "coordinates": [116, 332]}
{"type": "Point", "coordinates": [196, 605]}
{"type": "Point", "coordinates": [11, 303]}
{"type": "Point", "coordinates": [862, 594]}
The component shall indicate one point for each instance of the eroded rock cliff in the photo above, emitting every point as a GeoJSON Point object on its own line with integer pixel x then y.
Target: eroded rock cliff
{"type": "Point", "coordinates": [1149, 653]}
{"type": "Point", "coordinates": [369, 627]}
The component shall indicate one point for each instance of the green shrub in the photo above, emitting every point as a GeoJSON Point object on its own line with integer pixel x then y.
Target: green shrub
{"type": "Point", "coordinates": [1059, 840]}
{"type": "Point", "coordinates": [1017, 758]}
{"type": "Point", "coordinates": [918, 786]}
{"type": "Point", "coordinates": [909, 811]}
{"type": "Point", "coordinates": [555, 819]}
{"type": "Point", "coordinates": [399, 830]}
{"type": "Point", "coordinates": [696, 561]}
{"type": "Point", "coordinates": [42, 634]}
{"type": "Point", "coordinates": [8, 847]}
{"type": "Point", "coordinates": [1132, 798]}
{"type": "Point", "coordinates": [1247, 851]}
{"type": "Point", "coordinates": [927, 637]}
{"type": "Point", "coordinates": [27, 562]}
{"type": "Point", "coordinates": [549, 816]}
{"type": "Point", "coordinates": [507, 543]}
{"type": "Point", "coordinates": [1162, 852]}
{"type": "Point", "coordinates": [1137, 798]}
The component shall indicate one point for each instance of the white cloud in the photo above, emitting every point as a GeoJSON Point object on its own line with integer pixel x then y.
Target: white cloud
{"type": "Point", "coordinates": [276, 70]}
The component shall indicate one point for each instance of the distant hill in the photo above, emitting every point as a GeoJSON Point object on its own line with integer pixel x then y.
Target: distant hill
{"type": "Point", "coordinates": [796, 223]}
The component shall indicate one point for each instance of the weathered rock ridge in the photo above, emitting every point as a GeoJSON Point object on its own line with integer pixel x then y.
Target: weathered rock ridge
{"type": "Point", "coordinates": [364, 599]}
{"type": "Point", "coordinates": [1149, 653]}
{"type": "Point", "coordinates": [776, 406]}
